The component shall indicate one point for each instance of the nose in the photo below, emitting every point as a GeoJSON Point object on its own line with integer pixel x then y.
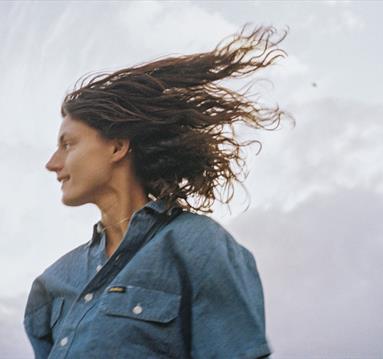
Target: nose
{"type": "Point", "coordinates": [53, 164]}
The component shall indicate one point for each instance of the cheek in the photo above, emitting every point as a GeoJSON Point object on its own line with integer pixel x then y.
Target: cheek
{"type": "Point", "coordinates": [91, 167]}
{"type": "Point", "coordinates": [96, 173]}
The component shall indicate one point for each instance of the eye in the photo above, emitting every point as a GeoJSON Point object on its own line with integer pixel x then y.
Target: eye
{"type": "Point", "coordinates": [66, 145]}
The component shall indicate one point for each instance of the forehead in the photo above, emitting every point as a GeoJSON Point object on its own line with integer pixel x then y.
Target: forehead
{"type": "Point", "coordinates": [75, 128]}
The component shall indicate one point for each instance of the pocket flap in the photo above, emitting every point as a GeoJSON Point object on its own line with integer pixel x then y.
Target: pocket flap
{"type": "Point", "coordinates": [57, 305]}
{"type": "Point", "coordinates": [141, 303]}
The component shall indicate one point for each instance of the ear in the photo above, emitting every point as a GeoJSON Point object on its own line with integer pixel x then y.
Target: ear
{"type": "Point", "coordinates": [120, 148]}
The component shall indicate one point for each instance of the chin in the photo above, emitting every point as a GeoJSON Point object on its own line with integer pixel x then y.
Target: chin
{"type": "Point", "coordinates": [72, 201]}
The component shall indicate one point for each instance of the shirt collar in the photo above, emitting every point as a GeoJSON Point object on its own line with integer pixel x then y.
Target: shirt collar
{"type": "Point", "coordinates": [156, 205]}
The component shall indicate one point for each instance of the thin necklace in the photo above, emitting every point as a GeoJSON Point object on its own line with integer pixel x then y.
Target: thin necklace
{"type": "Point", "coordinates": [112, 225]}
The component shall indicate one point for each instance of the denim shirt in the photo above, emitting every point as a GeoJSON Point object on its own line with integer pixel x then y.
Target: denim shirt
{"type": "Point", "coordinates": [178, 286]}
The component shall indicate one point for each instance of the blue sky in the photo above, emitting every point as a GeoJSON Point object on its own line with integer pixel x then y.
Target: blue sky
{"type": "Point", "coordinates": [316, 188]}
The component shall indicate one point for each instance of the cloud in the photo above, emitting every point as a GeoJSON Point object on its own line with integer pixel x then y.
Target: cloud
{"type": "Point", "coordinates": [334, 3]}
{"type": "Point", "coordinates": [316, 188]}
{"type": "Point", "coordinates": [335, 144]}
{"type": "Point", "coordinates": [320, 264]}
{"type": "Point", "coordinates": [13, 340]}
{"type": "Point", "coordinates": [342, 19]}
{"type": "Point", "coordinates": [351, 21]}
{"type": "Point", "coordinates": [47, 47]}
{"type": "Point", "coordinates": [159, 21]}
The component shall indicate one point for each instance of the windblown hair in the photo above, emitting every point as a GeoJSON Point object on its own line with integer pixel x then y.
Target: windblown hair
{"type": "Point", "coordinates": [179, 120]}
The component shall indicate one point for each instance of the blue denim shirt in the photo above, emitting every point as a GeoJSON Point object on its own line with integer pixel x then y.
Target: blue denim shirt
{"type": "Point", "coordinates": [178, 286]}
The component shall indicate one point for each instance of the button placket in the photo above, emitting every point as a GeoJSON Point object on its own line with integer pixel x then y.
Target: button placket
{"type": "Point", "coordinates": [64, 341]}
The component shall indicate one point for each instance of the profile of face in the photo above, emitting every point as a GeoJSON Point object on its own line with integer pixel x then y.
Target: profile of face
{"type": "Point", "coordinates": [83, 162]}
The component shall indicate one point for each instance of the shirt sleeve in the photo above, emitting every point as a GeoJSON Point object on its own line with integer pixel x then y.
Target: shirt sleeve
{"type": "Point", "coordinates": [228, 318]}
{"type": "Point", "coordinates": [37, 320]}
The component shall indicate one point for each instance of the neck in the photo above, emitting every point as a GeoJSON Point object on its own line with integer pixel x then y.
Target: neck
{"type": "Point", "coordinates": [123, 197]}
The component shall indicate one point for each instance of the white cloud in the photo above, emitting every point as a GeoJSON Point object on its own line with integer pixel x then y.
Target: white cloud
{"type": "Point", "coordinates": [172, 27]}
{"type": "Point", "coordinates": [335, 144]}
{"type": "Point", "coordinates": [290, 66]}
{"type": "Point", "coordinates": [327, 171]}
{"type": "Point", "coordinates": [340, 20]}
{"type": "Point", "coordinates": [320, 264]}
{"type": "Point", "coordinates": [13, 340]}
{"type": "Point", "coordinates": [351, 21]}
{"type": "Point", "coordinates": [334, 3]}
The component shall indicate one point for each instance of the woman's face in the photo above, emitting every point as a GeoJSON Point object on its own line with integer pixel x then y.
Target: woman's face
{"type": "Point", "coordinates": [81, 162]}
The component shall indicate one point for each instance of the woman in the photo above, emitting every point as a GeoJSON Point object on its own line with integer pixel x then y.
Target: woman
{"type": "Point", "coordinates": [157, 279]}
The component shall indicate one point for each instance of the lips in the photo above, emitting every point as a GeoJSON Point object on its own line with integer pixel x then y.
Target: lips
{"type": "Point", "coordinates": [63, 180]}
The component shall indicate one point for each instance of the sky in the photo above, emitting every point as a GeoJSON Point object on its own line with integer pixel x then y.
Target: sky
{"type": "Point", "coordinates": [313, 220]}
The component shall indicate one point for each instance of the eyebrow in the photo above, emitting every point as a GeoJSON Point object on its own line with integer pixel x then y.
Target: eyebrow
{"type": "Point", "coordinates": [63, 135]}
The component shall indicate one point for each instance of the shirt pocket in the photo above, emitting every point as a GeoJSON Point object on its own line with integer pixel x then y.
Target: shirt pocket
{"type": "Point", "coordinates": [141, 303]}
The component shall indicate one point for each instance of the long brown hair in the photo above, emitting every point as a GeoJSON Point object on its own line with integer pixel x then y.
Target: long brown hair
{"type": "Point", "coordinates": [179, 120]}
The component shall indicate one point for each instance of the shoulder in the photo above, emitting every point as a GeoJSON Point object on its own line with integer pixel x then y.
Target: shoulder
{"type": "Point", "coordinates": [198, 226]}
{"type": "Point", "coordinates": [67, 262]}
{"type": "Point", "coordinates": [202, 242]}
{"type": "Point", "coordinates": [64, 266]}
{"type": "Point", "coordinates": [203, 232]}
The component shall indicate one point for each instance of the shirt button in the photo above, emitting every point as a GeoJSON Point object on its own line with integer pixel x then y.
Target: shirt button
{"type": "Point", "coordinates": [137, 309]}
{"type": "Point", "coordinates": [98, 267]}
{"type": "Point", "coordinates": [64, 341]}
{"type": "Point", "coordinates": [88, 297]}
